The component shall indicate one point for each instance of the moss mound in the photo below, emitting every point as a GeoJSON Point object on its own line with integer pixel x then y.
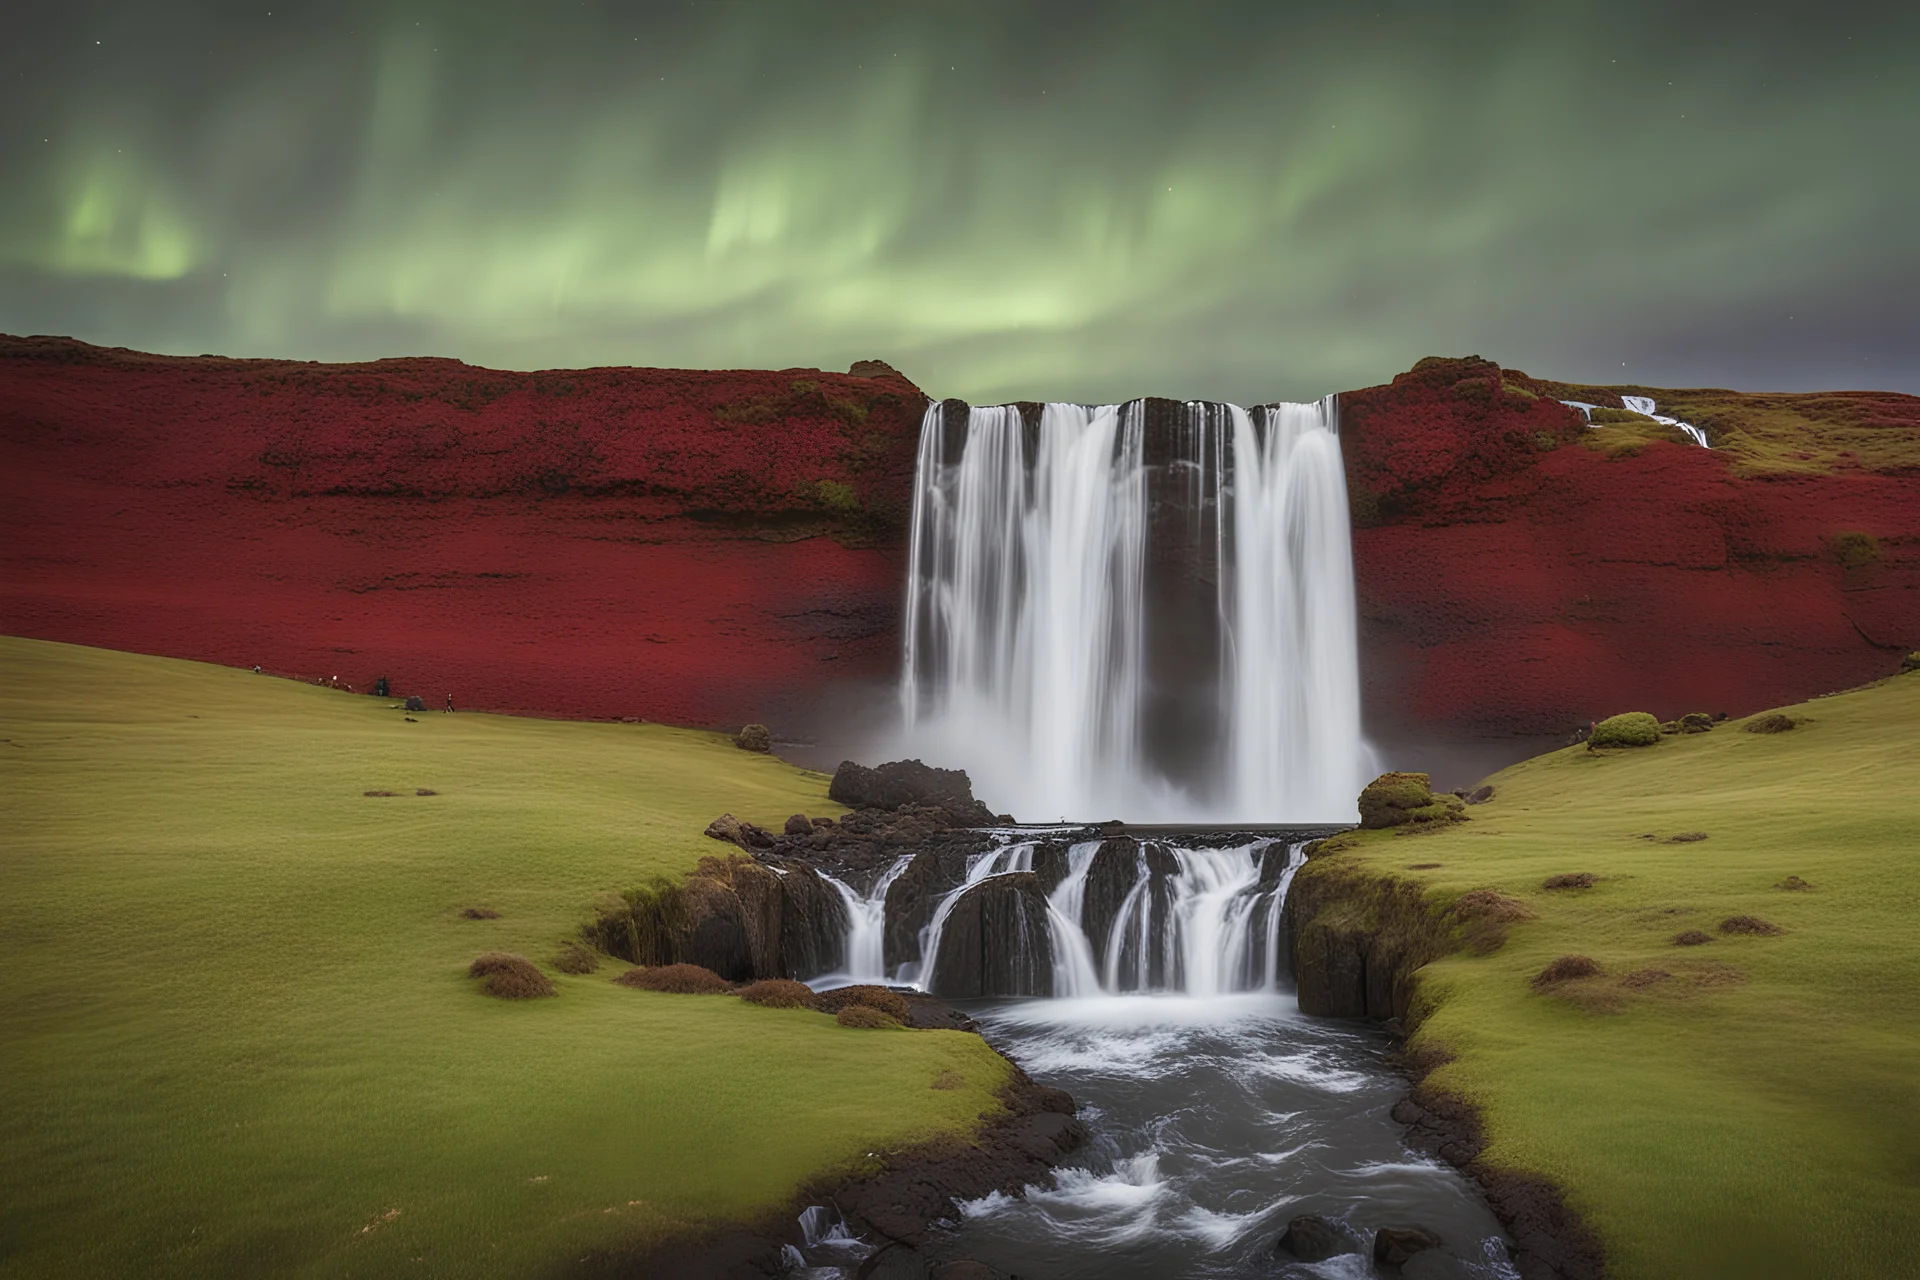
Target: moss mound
{"type": "Point", "coordinates": [1570, 880]}
{"type": "Point", "coordinates": [510, 977]}
{"type": "Point", "coordinates": [1794, 884]}
{"type": "Point", "coordinates": [1397, 799]}
{"type": "Point", "coordinates": [574, 958]}
{"type": "Point", "coordinates": [754, 737]}
{"type": "Point", "coordinates": [1629, 729]}
{"type": "Point", "coordinates": [1772, 722]}
{"type": "Point", "coordinates": [866, 1018]}
{"type": "Point", "coordinates": [1565, 969]}
{"type": "Point", "coordinates": [1696, 722]}
{"type": "Point", "coordinates": [891, 1003]}
{"type": "Point", "coordinates": [777, 993]}
{"type": "Point", "coordinates": [677, 979]}
{"type": "Point", "coordinates": [1752, 925]}
{"type": "Point", "coordinates": [1692, 938]}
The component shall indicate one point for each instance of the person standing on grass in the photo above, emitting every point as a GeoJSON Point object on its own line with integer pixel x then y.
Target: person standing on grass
{"type": "Point", "coordinates": [449, 710]}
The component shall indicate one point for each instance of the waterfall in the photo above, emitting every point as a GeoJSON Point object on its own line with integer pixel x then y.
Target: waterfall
{"type": "Point", "coordinates": [1142, 610]}
{"type": "Point", "coordinates": [1195, 921]}
{"type": "Point", "coordinates": [866, 923]}
{"type": "Point", "coordinates": [1644, 406]}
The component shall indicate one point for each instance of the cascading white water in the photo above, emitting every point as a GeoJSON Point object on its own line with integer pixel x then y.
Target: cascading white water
{"type": "Point", "coordinates": [1214, 929]}
{"type": "Point", "coordinates": [867, 923]}
{"type": "Point", "coordinates": [1026, 642]}
{"type": "Point", "coordinates": [1644, 406]}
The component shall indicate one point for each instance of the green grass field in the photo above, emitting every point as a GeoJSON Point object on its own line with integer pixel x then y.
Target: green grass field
{"type": "Point", "coordinates": [1756, 1113]}
{"type": "Point", "coordinates": [236, 1038]}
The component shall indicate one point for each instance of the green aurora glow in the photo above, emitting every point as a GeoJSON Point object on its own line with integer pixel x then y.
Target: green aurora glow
{"type": "Point", "coordinates": [1064, 200]}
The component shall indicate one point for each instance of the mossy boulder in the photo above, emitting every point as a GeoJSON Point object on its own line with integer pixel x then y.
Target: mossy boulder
{"type": "Point", "coordinates": [1696, 722]}
{"type": "Point", "coordinates": [1396, 799]}
{"type": "Point", "coordinates": [754, 737]}
{"type": "Point", "coordinates": [1630, 729]}
{"type": "Point", "coordinates": [1911, 662]}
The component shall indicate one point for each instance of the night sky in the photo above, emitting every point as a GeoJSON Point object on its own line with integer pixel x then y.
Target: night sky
{"type": "Point", "coordinates": [1073, 201]}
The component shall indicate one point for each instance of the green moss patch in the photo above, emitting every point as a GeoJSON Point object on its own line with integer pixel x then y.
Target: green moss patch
{"type": "Point", "coordinates": [1633, 729]}
{"type": "Point", "coordinates": [1751, 1112]}
{"type": "Point", "coordinates": [310, 1084]}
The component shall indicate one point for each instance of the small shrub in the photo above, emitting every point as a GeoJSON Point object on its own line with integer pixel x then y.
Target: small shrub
{"type": "Point", "coordinates": [425, 791]}
{"type": "Point", "coordinates": [379, 793]}
{"type": "Point", "coordinates": [1570, 880]}
{"type": "Point", "coordinates": [1911, 662]}
{"type": "Point", "coordinates": [1630, 729]}
{"type": "Point", "coordinates": [1696, 722]}
{"type": "Point", "coordinates": [753, 737]}
{"type": "Point", "coordinates": [1398, 799]}
{"type": "Point", "coordinates": [948, 1079]}
{"type": "Point", "coordinates": [480, 913]}
{"type": "Point", "coordinates": [677, 979]}
{"type": "Point", "coordinates": [510, 977]}
{"type": "Point", "coordinates": [1752, 925]}
{"type": "Point", "coordinates": [1855, 550]}
{"type": "Point", "coordinates": [891, 1003]}
{"type": "Point", "coordinates": [1565, 969]}
{"type": "Point", "coordinates": [1692, 938]}
{"type": "Point", "coordinates": [1794, 884]}
{"type": "Point", "coordinates": [1489, 904]}
{"type": "Point", "coordinates": [576, 959]}
{"type": "Point", "coordinates": [1687, 837]}
{"type": "Point", "coordinates": [1772, 722]}
{"type": "Point", "coordinates": [866, 1018]}
{"type": "Point", "coordinates": [777, 993]}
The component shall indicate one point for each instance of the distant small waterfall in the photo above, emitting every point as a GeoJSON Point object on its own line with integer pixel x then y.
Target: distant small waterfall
{"type": "Point", "coordinates": [1141, 610]}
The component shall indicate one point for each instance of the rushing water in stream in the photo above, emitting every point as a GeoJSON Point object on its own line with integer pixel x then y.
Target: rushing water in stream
{"type": "Point", "coordinates": [1217, 1111]}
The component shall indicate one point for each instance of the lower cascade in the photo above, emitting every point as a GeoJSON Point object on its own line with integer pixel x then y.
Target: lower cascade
{"type": "Point", "coordinates": [1141, 610]}
{"type": "Point", "coordinates": [1039, 917]}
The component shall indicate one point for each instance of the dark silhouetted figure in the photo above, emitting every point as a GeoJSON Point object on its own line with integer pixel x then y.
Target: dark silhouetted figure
{"type": "Point", "coordinates": [449, 709]}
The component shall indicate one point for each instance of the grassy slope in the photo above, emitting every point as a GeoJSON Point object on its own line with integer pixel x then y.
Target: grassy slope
{"type": "Point", "coordinates": [237, 1035]}
{"type": "Point", "coordinates": [1759, 1113]}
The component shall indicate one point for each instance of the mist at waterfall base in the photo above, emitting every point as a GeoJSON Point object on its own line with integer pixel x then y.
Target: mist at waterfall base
{"type": "Point", "coordinates": [1142, 611]}
{"type": "Point", "coordinates": [1217, 1112]}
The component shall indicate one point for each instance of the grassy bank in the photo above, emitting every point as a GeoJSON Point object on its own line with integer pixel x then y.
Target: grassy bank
{"type": "Point", "coordinates": [237, 1035]}
{"type": "Point", "coordinates": [1746, 1107]}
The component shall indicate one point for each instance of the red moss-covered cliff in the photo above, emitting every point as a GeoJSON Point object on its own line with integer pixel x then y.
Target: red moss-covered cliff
{"type": "Point", "coordinates": [1520, 572]}
{"type": "Point", "coordinates": [683, 546]}
{"type": "Point", "coordinates": [711, 548]}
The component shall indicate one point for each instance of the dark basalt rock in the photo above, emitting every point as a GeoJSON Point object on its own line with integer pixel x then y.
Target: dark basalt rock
{"type": "Point", "coordinates": [900, 783]}
{"type": "Point", "coordinates": [1110, 878]}
{"type": "Point", "coordinates": [813, 933]}
{"type": "Point", "coordinates": [910, 903]}
{"type": "Point", "coordinates": [994, 942]}
{"type": "Point", "coordinates": [1312, 1238]}
{"type": "Point", "coordinates": [1393, 1246]}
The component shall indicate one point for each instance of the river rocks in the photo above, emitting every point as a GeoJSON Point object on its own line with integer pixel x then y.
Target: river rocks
{"type": "Point", "coordinates": [1312, 1238]}
{"type": "Point", "coordinates": [1394, 1246]}
{"type": "Point", "coordinates": [909, 782]}
{"type": "Point", "coordinates": [730, 829]}
{"type": "Point", "coordinates": [995, 941]}
{"type": "Point", "coordinates": [1396, 799]}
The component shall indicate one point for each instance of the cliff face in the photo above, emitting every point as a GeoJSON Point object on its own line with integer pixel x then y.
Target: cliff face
{"type": "Point", "coordinates": [709, 548]}
{"type": "Point", "coordinates": [669, 545]}
{"type": "Point", "coordinates": [1522, 573]}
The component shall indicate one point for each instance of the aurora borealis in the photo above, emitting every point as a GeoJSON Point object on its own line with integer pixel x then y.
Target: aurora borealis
{"type": "Point", "coordinates": [1086, 201]}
